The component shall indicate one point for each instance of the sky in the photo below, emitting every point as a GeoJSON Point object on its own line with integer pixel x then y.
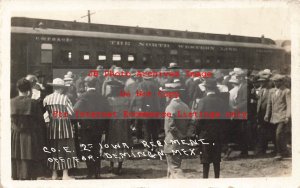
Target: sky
{"type": "Point", "coordinates": [272, 22]}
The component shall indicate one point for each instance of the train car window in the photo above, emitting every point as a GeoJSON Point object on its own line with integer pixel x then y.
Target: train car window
{"type": "Point", "coordinates": [130, 58]}
{"type": "Point", "coordinates": [116, 57]}
{"type": "Point", "coordinates": [197, 61]}
{"type": "Point", "coordinates": [46, 46]}
{"type": "Point", "coordinates": [146, 58]}
{"type": "Point", "coordinates": [66, 56]}
{"type": "Point", "coordinates": [46, 53]}
{"type": "Point", "coordinates": [85, 56]}
{"type": "Point", "coordinates": [101, 57]}
{"type": "Point", "coordinates": [186, 58]}
{"type": "Point", "coordinates": [209, 60]}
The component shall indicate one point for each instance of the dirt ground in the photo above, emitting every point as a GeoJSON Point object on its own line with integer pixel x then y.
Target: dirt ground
{"type": "Point", "coordinates": [234, 168]}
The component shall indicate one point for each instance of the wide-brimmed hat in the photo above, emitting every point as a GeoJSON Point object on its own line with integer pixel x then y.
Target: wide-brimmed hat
{"type": "Point", "coordinates": [146, 73]}
{"type": "Point", "coordinates": [173, 87]}
{"type": "Point", "coordinates": [218, 74]}
{"type": "Point", "coordinates": [277, 77]}
{"type": "Point", "coordinates": [240, 73]}
{"type": "Point", "coordinates": [237, 69]}
{"type": "Point", "coordinates": [210, 83]}
{"type": "Point", "coordinates": [173, 65]}
{"type": "Point", "coordinates": [117, 70]}
{"type": "Point", "coordinates": [68, 77]}
{"type": "Point", "coordinates": [195, 70]}
{"type": "Point", "coordinates": [265, 73]}
{"type": "Point", "coordinates": [58, 82]}
{"type": "Point", "coordinates": [233, 79]}
{"type": "Point", "coordinates": [132, 71]}
{"type": "Point", "coordinates": [90, 79]}
{"type": "Point", "coordinates": [115, 83]}
{"type": "Point", "coordinates": [263, 77]}
{"type": "Point", "coordinates": [70, 74]}
{"type": "Point", "coordinates": [31, 78]}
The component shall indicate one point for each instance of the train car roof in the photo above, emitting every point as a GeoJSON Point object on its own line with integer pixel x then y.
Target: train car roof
{"type": "Point", "coordinates": [33, 26]}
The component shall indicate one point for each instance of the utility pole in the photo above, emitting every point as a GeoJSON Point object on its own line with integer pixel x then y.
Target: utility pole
{"type": "Point", "coordinates": [88, 15]}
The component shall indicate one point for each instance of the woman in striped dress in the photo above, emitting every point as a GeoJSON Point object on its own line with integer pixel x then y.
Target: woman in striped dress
{"type": "Point", "coordinates": [60, 131]}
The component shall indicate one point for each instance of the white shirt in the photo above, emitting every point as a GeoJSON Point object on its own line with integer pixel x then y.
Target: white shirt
{"type": "Point", "coordinates": [90, 88]}
{"type": "Point", "coordinates": [232, 96]}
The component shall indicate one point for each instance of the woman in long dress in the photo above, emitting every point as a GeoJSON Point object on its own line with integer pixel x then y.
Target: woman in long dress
{"type": "Point", "coordinates": [60, 131]}
{"type": "Point", "coordinates": [26, 142]}
{"type": "Point", "coordinates": [119, 129]}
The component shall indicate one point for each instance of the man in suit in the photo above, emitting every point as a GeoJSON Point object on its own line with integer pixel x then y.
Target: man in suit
{"type": "Point", "coordinates": [279, 113]}
{"type": "Point", "coordinates": [176, 128]}
{"type": "Point", "coordinates": [91, 128]}
{"type": "Point", "coordinates": [262, 101]}
{"type": "Point", "coordinates": [148, 102]}
{"type": "Point", "coordinates": [242, 102]}
{"type": "Point", "coordinates": [100, 79]}
{"type": "Point", "coordinates": [210, 129]}
{"type": "Point", "coordinates": [131, 86]}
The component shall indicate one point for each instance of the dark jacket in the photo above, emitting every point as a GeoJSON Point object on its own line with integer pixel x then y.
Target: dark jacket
{"type": "Point", "coordinates": [209, 128]}
{"type": "Point", "coordinates": [148, 103]}
{"type": "Point", "coordinates": [28, 131]}
{"type": "Point", "coordinates": [91, 101]}
{"type": "Point", "coordinates": [262, 102]}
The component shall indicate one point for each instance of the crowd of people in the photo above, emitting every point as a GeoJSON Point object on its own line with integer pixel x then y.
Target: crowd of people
{"type": "Point", "coordinates": [39, 137]}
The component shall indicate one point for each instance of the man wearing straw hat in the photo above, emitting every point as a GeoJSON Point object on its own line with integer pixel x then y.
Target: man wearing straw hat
{"type": "Point", "coordinates": [175, 129]}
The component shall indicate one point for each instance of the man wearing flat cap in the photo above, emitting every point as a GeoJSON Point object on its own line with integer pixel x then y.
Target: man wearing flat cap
{"type": "Point", "coordinates": [279, 113]}
{"type": "Point", "coordinates": [92, 128]}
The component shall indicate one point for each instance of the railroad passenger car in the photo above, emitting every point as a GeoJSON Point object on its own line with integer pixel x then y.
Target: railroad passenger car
{"type": "Point", "coordinates": [51, 44]}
